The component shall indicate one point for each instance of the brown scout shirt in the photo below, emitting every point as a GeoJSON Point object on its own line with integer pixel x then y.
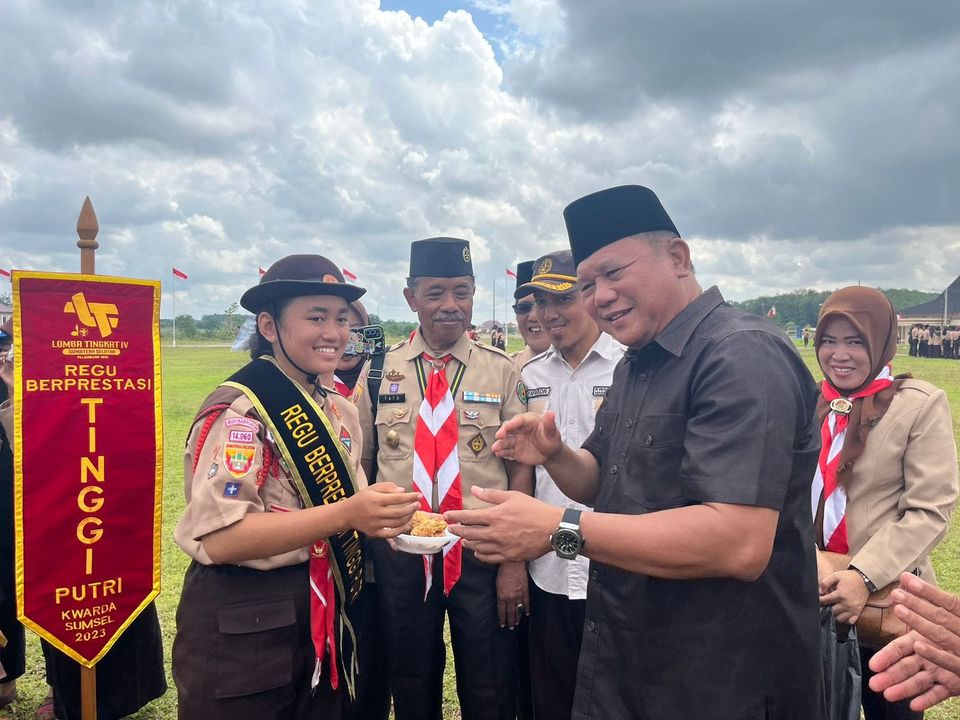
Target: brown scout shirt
{"type": "Point", "coordinates": [488, 371]}
{"type": "Point", "coordinates": [212, 505]}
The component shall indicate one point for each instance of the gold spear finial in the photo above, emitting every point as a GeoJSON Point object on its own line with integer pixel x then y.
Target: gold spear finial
{"type": "Point", "coordinates": [87, 229]}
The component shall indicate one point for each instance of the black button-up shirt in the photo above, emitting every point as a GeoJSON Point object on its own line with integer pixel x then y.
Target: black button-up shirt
{"type": "Point", "coordinates": [719, 407]}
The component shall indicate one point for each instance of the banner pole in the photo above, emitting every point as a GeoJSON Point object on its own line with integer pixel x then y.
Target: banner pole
{"type": "Point", "coordinates": [87, 229]}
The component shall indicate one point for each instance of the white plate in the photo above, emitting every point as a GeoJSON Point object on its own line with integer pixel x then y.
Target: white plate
{"type": "Point", "coordinates": [424, 545]}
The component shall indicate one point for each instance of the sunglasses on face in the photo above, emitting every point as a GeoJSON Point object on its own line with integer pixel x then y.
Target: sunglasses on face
{"type": "Point", "coordinates": [522, 308]}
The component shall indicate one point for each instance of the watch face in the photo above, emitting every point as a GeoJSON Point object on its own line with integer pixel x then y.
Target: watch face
{"type": "Point", "coordinates": [567, 543]}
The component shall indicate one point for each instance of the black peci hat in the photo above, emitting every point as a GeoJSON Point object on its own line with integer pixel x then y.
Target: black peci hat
{"type": "Point", "coordinates": [524, 273]}
{"type": "Point", "coordinates": [597, 220]}
{"type": "Point", "coordinates": [441, 257]}
{"type": "Point", "coordinates": [553, 273]}
{"type": "Point", "coordinates": [297, 275]}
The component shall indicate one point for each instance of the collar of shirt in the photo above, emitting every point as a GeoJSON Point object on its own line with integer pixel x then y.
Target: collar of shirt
{"type": "Point", "coordinates": [675, 336]}
{"type": "Point", "coordinates": [417, 346]}
{"type": "Point", "coordinates": [605, 346]}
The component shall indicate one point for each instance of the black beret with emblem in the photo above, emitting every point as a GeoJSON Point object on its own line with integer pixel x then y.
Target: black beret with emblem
{"type": "Point", "coordinates": [441, 257]}
{"type": "Point", "coordinates": [553, 273]}
{"type": "Point", "coordinates": [597, 220]}
{"type": "Point", "coordinates": [297, 275]}
{"type": "Point", "coordinates": [524, 273]}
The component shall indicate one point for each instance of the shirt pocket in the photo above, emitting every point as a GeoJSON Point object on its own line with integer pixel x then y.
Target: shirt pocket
{"type": "Point", "coordinates": [606, 423]}
{"type": "Point", "coordinates": [477, 428]}
{"type": "Point", "coordinates": [651, 477]}
{"type": "Point", "coordinates": [255, 653]}
{"type": "Point", "coordinates": [394, 432]}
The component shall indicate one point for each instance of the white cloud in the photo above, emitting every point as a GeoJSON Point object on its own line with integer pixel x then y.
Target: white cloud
{"type": "Point", "coordinates": [219, 138]}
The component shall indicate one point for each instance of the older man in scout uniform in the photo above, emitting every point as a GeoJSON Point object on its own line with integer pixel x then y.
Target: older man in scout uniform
{"type": "Point", "coordinates": [534, 337]}
{"type": "Point", "coordinates": [702, 598]}
{"type": "Point", "coordinates": [442, 399]}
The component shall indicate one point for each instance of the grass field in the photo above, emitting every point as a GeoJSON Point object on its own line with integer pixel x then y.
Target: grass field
{"type": "Point", "coordinates": [190, 373]}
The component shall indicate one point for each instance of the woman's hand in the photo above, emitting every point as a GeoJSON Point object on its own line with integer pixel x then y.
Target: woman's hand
{"type": "Point", "coordinates": [847, 593]}
{"type": "Point", "coordinates": [382, 510]}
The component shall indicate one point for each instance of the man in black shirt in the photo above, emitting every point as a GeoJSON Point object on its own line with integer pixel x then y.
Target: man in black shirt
{"type": "Point", "coordinates": [702, 601]}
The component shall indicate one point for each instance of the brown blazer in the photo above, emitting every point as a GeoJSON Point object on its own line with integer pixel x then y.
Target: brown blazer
{"type": "Point", "coordinates": [904, 486]}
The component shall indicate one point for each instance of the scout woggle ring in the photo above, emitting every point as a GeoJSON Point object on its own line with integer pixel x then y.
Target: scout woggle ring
{"type": "Point", "coordinates": [841, 406]}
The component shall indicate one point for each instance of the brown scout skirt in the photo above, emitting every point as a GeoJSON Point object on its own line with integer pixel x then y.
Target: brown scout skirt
{"type": "Point", "coordinates": [243, 647]}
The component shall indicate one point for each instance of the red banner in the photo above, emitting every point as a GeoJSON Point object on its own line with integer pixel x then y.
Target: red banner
{"type": "Point", "coordinates": [88, 456]}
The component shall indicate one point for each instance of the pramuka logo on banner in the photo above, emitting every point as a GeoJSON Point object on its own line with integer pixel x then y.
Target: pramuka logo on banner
{"type": "Point", "coordinates": [103, 318]}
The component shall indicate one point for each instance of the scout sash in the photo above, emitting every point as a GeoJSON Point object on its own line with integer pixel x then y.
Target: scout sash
{"type": "Point", "coordinates": [322, 476]}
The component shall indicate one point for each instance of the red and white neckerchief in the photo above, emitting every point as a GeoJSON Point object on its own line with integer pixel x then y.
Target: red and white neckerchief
{"type": "Point", "coordinates": [323, 609]}
{"type": "Point", "coordinates": [832, 433]}
{"type": "Point", "coordinates": [341, 387]}
{"type": "Point", "coordinates": [435, 460]}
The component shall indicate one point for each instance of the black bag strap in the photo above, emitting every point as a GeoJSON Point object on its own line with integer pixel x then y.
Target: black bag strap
{"type": "Point", "coordinates": [374, 378]}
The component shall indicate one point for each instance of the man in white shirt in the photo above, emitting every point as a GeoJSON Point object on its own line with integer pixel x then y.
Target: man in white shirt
{"type": "Point", "coordinates": [571, 379]}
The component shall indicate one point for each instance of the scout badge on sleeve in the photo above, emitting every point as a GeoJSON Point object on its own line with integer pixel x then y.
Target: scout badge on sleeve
{"type": "Point", "coordinates": [321, 472]}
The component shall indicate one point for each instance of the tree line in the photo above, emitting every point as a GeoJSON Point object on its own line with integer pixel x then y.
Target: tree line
{"type": "Point", "coordinates": [800, 308]}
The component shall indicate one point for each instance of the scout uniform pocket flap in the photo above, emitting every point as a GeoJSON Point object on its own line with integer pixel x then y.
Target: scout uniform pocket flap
{"type": "Point", "coordinates": [390, 415]}
{"type": "Point", "coordinates": [245, 618]}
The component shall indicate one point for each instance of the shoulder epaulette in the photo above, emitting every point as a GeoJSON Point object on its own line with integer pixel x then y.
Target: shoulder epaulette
{"type": "Point", "coordinates": [491, 348]}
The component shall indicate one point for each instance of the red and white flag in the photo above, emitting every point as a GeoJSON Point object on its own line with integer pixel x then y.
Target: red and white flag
{"type": "Point", "coordinates": [5, 273]}
{"type": "Point", "coordinates": [180, 274]}
{"type": "Point", "coordinates": [772, 312]}
{"type": "Point", "coordinates": [262, 271]}
{"type": "Point", "coordinates": [348, 275]}
{"type": "Point", "coordinates": [511, 273]}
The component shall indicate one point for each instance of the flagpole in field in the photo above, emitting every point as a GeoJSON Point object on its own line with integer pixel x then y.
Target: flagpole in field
{"type": "Point", "coordinates": [494, 306]}
{"type": "Point", "coordinates": [87, 229]}
{"type": "Point", "coordinates": [506, 323]}
{"type": "Point", "coordinates": [174, 299]}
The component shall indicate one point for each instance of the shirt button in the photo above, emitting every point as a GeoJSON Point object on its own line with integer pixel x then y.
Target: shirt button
{"type": "Point", "coordinates": [613, 469]}
{"type": "Point", "coordinates": [642, 377]}
{"type": "Point", "coordinates": [594, 574]}
{"type": "Point", "coordinates": [591, 626]}
{"type": "Point", "coordinates": [648, 440]}
{"type": "Point", "coordinates": [629, 422]}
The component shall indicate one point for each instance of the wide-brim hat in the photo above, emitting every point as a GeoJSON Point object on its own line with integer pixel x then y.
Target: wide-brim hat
{"type": "Point", "coordinates": [297, 275]}
{"type": "Point", "coordinates": [524, 275]}
{"type": "Point", "coordinates": [553, 273]}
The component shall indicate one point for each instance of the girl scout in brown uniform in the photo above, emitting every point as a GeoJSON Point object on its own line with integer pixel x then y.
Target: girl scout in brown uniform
{"type": "Point", "coordinates": [275, 500]}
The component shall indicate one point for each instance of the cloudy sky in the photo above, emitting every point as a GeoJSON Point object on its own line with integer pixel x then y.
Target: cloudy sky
{"type": "Point", "coordinates": [795, 144]}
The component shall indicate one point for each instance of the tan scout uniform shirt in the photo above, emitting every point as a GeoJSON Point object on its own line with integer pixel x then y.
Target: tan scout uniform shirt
{"type": "Point", "coordinates": [212, 505]}
{"type": "Point", "coordinates": [488, 370]}
{"type": "Point", "coordinates": [522, 357]}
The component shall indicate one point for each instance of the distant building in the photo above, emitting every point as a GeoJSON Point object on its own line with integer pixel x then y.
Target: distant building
{"type": "Point", "coordinates": [942, 310]}
{"type": "Point", "coordinates": [6, 312]}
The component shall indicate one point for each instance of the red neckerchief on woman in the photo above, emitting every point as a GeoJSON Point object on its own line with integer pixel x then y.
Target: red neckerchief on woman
{"type": "Point", "coordinates": [825, 488]}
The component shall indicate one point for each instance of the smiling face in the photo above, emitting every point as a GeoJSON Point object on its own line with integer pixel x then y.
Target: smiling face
{"type": "Point", "coordinates": [566, 321]}
{"type": "Point", "coordinates": [529, 325]}
{"type": "Point", "coordinates": [444, 307]}
{"type": "Point", "coordinates": [314, 330]}
{"type": "Point", "coordinates": [633, 288]}
{"type": "Point", "coordinates": [843, 355]}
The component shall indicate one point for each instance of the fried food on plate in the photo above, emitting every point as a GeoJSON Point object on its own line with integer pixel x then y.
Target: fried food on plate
{"type": "Point", "coordinates": [427, 525]}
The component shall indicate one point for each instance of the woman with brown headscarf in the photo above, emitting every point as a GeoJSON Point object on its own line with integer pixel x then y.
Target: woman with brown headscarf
{"type": "Point", "coordinates": [886, 482]}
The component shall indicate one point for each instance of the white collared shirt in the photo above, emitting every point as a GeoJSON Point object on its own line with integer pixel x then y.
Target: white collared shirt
{"type": "Point", "coordinates": [575, 396]}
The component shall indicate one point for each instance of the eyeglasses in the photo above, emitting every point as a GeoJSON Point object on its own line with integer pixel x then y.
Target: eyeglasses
{"type": "Point", "coordinates": [522, 308]}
